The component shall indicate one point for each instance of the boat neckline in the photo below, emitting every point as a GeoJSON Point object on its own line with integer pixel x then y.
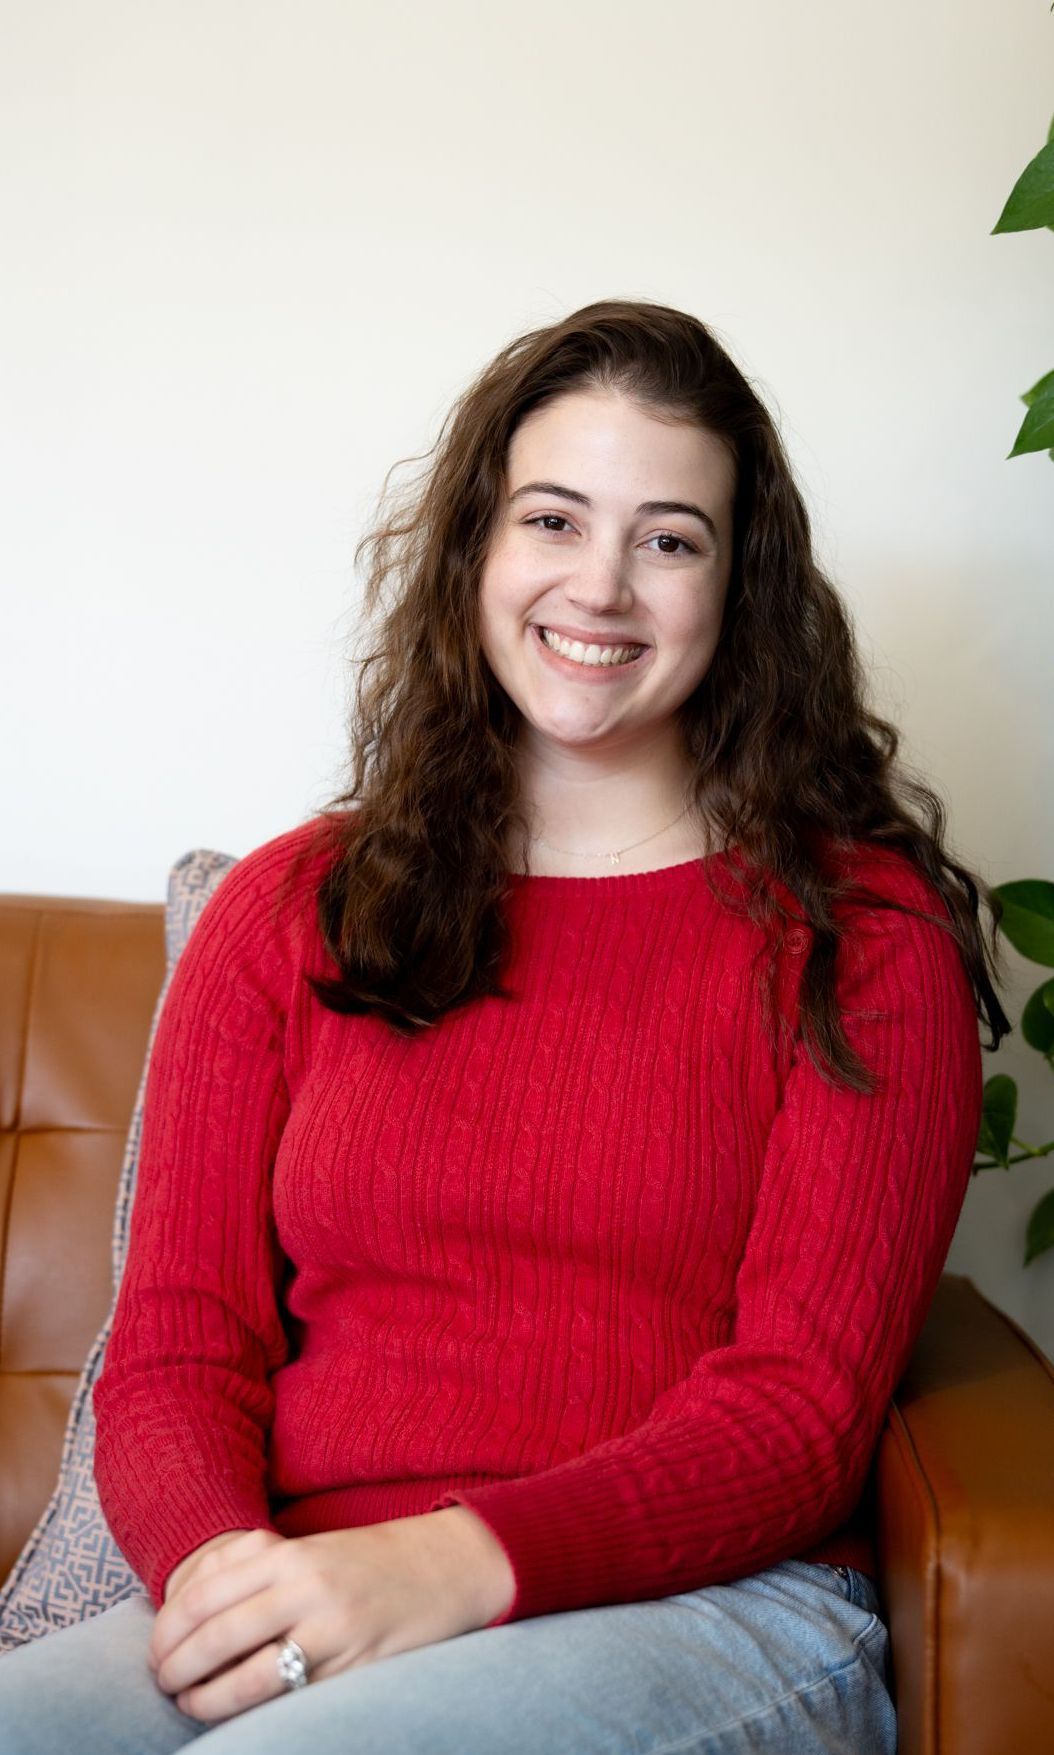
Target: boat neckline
{"type": "Point", "coordinates": [653, 879]}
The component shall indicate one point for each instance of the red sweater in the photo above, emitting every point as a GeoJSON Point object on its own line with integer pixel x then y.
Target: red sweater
{"type": "Point", "coordinates": [600, 1262]}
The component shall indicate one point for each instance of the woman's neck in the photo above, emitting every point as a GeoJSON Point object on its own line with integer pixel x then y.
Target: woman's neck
{"type": "Point", "coordinates": [583, 805]}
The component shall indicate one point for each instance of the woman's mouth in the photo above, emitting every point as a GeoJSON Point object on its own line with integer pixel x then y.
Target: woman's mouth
{"type": "Point", "coordinates": [596, 661]}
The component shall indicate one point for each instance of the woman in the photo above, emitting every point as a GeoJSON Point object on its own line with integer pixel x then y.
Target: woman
{"type": "Point", "coordinates": [550, 1152]}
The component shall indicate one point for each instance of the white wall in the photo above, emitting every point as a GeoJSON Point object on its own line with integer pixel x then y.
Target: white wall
{"type": "Point", "coordinates": [253, 248]}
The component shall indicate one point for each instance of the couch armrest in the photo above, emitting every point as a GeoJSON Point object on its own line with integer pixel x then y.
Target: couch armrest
{"type": "Point", "coordinates": [964, 1478]}
{"type": "Point", "coordinates": [79, 980]}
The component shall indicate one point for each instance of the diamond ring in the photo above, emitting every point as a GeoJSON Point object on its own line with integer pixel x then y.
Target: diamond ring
{"type": "Point", "coordinates": [292, 1665]}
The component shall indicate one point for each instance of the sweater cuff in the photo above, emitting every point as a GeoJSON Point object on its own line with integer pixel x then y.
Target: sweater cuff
{"type": "Point", "coordinates": [567, 1549]}
{"type": "Point", "coordinates": [160, 1544]}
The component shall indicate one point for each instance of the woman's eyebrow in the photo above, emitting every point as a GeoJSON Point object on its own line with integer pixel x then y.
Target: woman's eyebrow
{"type": "Point", "coordinates": [658, 507]}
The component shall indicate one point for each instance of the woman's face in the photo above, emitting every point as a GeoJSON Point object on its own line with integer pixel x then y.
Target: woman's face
{"type": "Point", "coordinates": [617, 531]}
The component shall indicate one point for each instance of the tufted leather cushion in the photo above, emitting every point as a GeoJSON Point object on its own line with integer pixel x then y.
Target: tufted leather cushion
{"type": "Point", "coordinates": [64, 1102]}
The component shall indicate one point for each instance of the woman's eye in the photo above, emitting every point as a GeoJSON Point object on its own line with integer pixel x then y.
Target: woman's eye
{"type": "Point", "coordinates": [668, 536]}
{"type": "Point", "coordinates": [547, 519]}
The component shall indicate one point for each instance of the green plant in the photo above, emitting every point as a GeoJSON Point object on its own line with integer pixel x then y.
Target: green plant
{"type": "Point", "coordinates": [1030, 207]}
{"type": "Point", "coordinates": [1028, 904]}
{"type": "Point", "coordinates": [1028, 922]}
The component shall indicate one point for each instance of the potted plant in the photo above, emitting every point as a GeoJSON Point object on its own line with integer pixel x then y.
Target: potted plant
{"type": "Point", "coordinates": [1028, 904]}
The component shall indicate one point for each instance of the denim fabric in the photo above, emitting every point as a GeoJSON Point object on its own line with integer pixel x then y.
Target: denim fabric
{"type": "Point", "coordinates": [793, 1660]}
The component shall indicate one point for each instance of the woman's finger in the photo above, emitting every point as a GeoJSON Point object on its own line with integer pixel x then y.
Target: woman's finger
{"type": "Point", "coordinates": [225, 1635]}
{"type": "Point", "coordinates": [244, 1685]}
{"type": "Point", "coordinates": [208, 1593]}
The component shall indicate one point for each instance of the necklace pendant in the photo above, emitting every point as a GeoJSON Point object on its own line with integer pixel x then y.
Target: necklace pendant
{"type": "Point", "coordinates": [614, 858]}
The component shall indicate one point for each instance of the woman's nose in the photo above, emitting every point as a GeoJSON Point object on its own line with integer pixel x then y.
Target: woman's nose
{"type": "Point", "coordinates": [599, 579]}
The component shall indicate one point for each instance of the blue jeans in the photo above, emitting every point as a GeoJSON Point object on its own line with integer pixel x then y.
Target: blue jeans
{"type": "Point", "coordinates": [793, 1660]}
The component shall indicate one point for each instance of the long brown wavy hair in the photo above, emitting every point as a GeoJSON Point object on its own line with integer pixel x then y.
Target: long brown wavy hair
{"type": "Point", "coordinates": [788, 760]}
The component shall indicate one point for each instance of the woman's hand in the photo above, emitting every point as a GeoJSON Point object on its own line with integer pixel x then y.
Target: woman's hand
{"type": "Point", "coordinates": [348, 1597]}
{"type": "Point", "coordinates": [179, 1575]}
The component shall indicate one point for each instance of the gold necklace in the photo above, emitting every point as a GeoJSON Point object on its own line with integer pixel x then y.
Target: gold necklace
{"type": "Point", "coordinates": [614, 858]}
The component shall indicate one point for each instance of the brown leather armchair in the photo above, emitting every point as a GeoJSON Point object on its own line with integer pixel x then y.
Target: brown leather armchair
{"type": "Point", "coordinates": [963, 1479]}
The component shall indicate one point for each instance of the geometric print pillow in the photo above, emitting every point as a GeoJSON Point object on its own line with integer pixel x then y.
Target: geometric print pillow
{"type": "Point", "coordinates": [70, 1567]}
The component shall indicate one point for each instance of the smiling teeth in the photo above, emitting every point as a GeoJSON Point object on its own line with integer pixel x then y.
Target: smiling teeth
{"type": "Point", "coordinates": [580, 654]}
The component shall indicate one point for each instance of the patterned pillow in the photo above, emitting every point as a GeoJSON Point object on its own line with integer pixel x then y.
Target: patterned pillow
{"type": "Point", "coordinates": [71, 1568]}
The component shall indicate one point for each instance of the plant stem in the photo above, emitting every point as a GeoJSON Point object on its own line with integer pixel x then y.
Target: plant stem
{"type": "Point", "coordinates": [1027, 1152]}
{"type": "Point", "coordinates": [1030, 1151]}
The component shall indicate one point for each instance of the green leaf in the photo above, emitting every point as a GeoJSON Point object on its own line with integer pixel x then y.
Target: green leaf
{"type": "Point", "coordinates": [1037, 1019]}
{"type": "Point", "coordinates": [1028, 918]}
{"type": "Point", "coordinates": [1036, 432]}
{"type": "Point", "coordinates": [1030, 203]}
{"type": "Point", "coordinates": [998, 1114]}
{"type": "Point", "coordinates": [1040, 1233]}
{"type": "Point", "coordinates": [1038, 389]}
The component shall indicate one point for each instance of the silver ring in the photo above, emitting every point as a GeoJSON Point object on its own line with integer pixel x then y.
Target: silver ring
{"type": "Point", "coordinates": [292, 1665]}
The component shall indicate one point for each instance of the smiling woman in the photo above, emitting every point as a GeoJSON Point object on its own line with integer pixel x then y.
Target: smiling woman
{"type": "Point", "coordinates": [524, 1255]}
{"type": "Point", "coordinates": [599, 741]}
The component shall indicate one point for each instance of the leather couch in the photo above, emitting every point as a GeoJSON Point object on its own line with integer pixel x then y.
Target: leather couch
{"type": "Point", "coordinates": [962, 1486]}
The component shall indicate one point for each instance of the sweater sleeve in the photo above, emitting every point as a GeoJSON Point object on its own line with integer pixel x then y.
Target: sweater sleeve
{"type": "Point", "coordinates": [183, 1404]}
{"type": "Point", "coordinates": [763, 1449]}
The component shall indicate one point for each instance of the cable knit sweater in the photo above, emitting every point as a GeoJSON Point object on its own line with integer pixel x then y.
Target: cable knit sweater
{"type": "Point", "coordinates": [603, 1262]}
